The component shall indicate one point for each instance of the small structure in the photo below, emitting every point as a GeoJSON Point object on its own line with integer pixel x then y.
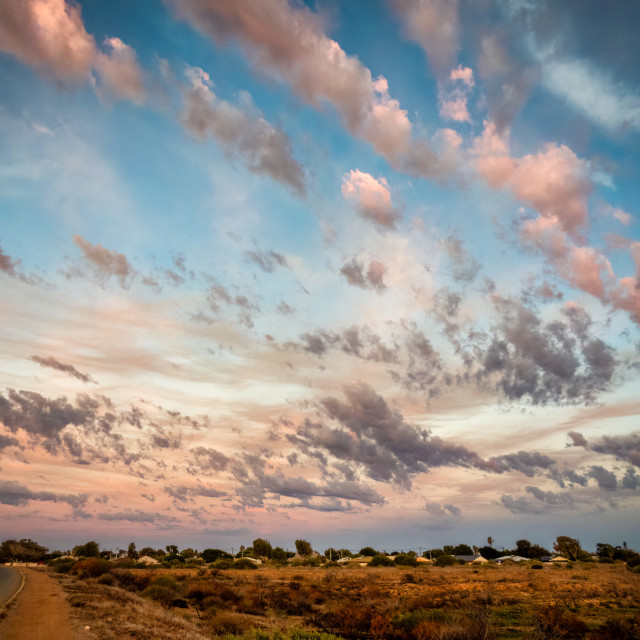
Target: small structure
{"type": "Point", "coordinates": [147, 560]}
{"type": "Point", "coordinates": [475, 559]}
{"type": "Point", "coordinates": [513, 559]}
{"type": "Point", "coordinates": [553, 559]}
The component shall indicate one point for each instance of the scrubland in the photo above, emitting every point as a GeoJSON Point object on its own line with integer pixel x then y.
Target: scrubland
{"type": "Point", "coordinates": [580, 600]}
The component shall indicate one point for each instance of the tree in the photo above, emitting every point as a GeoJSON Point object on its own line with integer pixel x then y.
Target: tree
{"type": "Point", "coordinates": [304, 548]}
{"type": "Point", "coordinates": [490, 541]}
{"type": "Point", "coordinates": [381, 560]}
{"type": "Point", "coordinates": [368, 551]}
{"type": "Point", "coordinates": [148, 551]}
{"type": "Point", "coordinates": [25, 550]}
{"type": "Point", "coordinates": [279, 554]}
{"type": "Point", "coordinates": [462, 550]}
{"type": "Point", "coordinates": [566, 546]}
{"type": "Point", "coordinates": [523, 548]}
{"type": "Point", "coordinates": [489, 552]}
{"type": "Point", "coordinates": [172, 549]}
{"type": "Point", "coordinates": [444, 560]}
{"type": "Point", "coordinates": [211, 555]}
{"type": "Point", "coordinates": [536, 551]}
{"type": "Point", "coordinates": [90, 549]}
{"type": "Point", "coordinates": [188, 553]}
{"type": "Point", "coordinates": [331, 554]}
{"type": "Point", "coordinates": [131, 551]}
{"type": "Point", "coordinates": [604, 550]}
{"type": "Point", "coordinates": [433, 553]}
{"type": "Point", "coordinates": [262, 548]}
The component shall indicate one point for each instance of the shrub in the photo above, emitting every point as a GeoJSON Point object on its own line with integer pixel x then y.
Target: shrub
{"type": "Point", "coordinates": [536, 566]}
{"type": "Point", "coordinates": [605, 561]}
{"type": "Point", "coordinates": [91, 568]}
{"type": "Point", "coordinates": [381, 561]}
{"type": "Point", "coordinates": [62, 565]}
{"type": "Point", "coordinates": [107, 578]}
{"type": "Point", "coordinates": [244, 563]}
{"type": "Point", "coordinates": [555, 622]}
{"type": "Point", "coordinates": [444, 561]}
{"type": "Point", "coordinates": [160, 593]}
{"type": "Point", "coordinates": [405, 560]}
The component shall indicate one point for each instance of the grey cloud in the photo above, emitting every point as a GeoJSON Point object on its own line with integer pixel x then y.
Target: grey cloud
{"type": "Point", "coordinates": [527, 462]}
{"type": "Point", "coordinates": [624, 447]}
{"type": "Point", "coordinates": [355, 275]}
{"type": "Point", "coordinates": [137, 515]}
{"type": "Point", "coordinates": [183, 493]}
{"type": "Point", "coordinates": [17, 495]}
{"type": "Point", "coordinates": [65, 368]}
{"type": "Point", "coordinates": [377, 438]}
{"type": "Point", "coordinates": [544, 362]}
{"type": "Point", "coordinates": [285, 309]}
{"type": "Point", "coordinates": [549, 497]}
{"type": "Point", "coordinates": [442, 512]}
{"type": "Point", "coordinates": [163, 439]}
{"type": "Point", "coordinates": [105, 263]}
{"type": "Point", "coordinates": [328, 506]}
{"type": "Point", "coordinates": [521, 505]}
{"type": "Point", "coordinates": [209, 459]}
{"type": "Point", "coordinates": [577, 439]}
{"type": "Point", "coordinates": [241, 132]}
{"type": "Point", "coordinates": [268, 261]}
{"type": "Point", "coordinates": [464, 267]}
{"type": "Point", "coordinates": [575, 477]}
{"type": "Point", "coordinates": [631, 480]}
{"type": "Point", "coordinates": [7, 441]}
{"type": "Point", "coordinates": [606, 479]}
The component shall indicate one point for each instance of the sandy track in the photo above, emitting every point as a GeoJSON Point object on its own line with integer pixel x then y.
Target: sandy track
{"type": "Point", "coordinates": [40, 612]}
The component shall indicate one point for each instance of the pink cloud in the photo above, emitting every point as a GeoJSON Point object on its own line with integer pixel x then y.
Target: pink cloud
{"type": "Point", "coordinates": [48, 35]}
{"type": "Point", "coordinates": [554, 182]}
{"type": "Point", "coordinates": [434, 25]}
{"type": "Point", "coordinates": [619, 214]}
{"type": "Point", "coordinates": [288, 43]}
{"type": "Point", "coordinates": [371, 197]}
{"type": "Point", "coordinates": [120, 72]}
{"type": "Point", "coordinates": [105, 262]}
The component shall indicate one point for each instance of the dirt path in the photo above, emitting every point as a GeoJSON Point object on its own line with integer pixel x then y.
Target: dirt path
{"type": "Point", "coordinates": [40, 612]}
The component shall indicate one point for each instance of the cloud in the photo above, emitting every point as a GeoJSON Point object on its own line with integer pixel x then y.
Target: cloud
{"type": "Point", "coordinates": [521, 505]}
{"type": "Point", "coordinates": [465, 267]}
{"type": "Point", "coordinates": [8, 265]}
{"type": "Point", "coordinates": [65, 368]}
{"type": "Point", "coordinates": [240, 132]}
{"type": "Point", "coordinates": [549, 497]}
{"type": "Point", "coordinates": [288, 44]}
{"type": "Point", "coordinates": [606, 479]}
{"type": "Point", "coordinates": [441, 516]}
{"type": "Point", "coordinates": [17, 495]}
{"type": "Point", "coordinates": [105, 263]}
{"type": "Point", "coordinates": [592, 92]}
{"type": "Point", "coordinates": [546, 362]}
{"type": "Point", "coordinates": [137, 515]}
{"type": "Point", "coordinates": [623, 447]}
{"type": "Point", "coordinates": [209, 460]}
{"type": "Point", "coordinates": [434, 25]}
{"type": "Point", "coordinates": [7, 441]}
{"type": "Point", "coordinates": [355, 275]}
{"type": "Point", "coordinates": [371, 197]}
{"type": "Point", "coordinates": [268, 261]}
{"type": "Point", "coordinates": [454, 94]}
{"type": "Point", "coordinates": [376, 437]}
{"type": "Point", "coordinates": [183, 493]}
{"type": "Point", "coordinates": [120, 72]}
{"type": "Point", "coordinates": [527, 462]}
{"type": "Point", "coordinates": [48, 35]}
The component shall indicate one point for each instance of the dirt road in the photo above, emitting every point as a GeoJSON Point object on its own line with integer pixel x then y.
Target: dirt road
{"type": "Point", "coordinates": [40, 612]}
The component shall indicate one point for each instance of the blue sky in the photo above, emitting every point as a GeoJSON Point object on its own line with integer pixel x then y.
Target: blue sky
{"type": "Point", "coordinates": [365, 273]}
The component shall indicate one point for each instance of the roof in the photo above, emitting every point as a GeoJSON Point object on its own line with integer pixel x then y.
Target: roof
{"type": "Point", "coordinates": [514, 558]}
{"type": "Point", "coordinates": [472, 558]}
{"type": "Point", "coordinates": [147, 560]}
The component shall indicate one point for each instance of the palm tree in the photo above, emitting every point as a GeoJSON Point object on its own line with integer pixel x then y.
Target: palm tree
{"type": "Point", "coordinates": [490, 541]}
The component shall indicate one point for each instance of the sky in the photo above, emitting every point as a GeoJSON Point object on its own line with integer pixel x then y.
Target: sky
{"type": "Point", "coordinates": [363, 273]}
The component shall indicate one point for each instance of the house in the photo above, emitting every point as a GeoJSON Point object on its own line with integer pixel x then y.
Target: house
{"type": "Point", "coordinates": [475, 559]}
{"type": "Point", "coordinates": [421, 559]}
{"type": "Point", "coordinates": [554, 559]}
{"type": "Point", "coordinates": [513, 559]}
{"type": "Point", "coordinates": [147, 560]}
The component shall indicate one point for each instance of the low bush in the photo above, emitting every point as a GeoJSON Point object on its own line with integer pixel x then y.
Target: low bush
{"type": "Point", "coordinates": [381, 561]}
{"type": "Point", "coordinates": [244, 563]}
{"type": "Point", "coordinates": [62, 565]}
{"type": "Point", "coordinates": [536, 566]}
{"type": "Point", "coordinates": [556, 622]}
{"type": "Point", "coordinates": [91, 568]}
{"type": "Point", "coordinates": [405, 560]}
{"type": "Point", "coordinates": [160, 593]}
{"type": "Point", "coordinates": [444, 561]}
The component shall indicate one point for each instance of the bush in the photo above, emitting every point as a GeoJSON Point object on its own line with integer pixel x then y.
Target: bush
{"type": "Point", "coordinates": [605, 561]}
{"type": "Point", "coordinates": [381, 560]}
{"type": "Point", "coordinates": [91, 568]}
{"type": "Point", "coordinates": [536, 566]}
{"type": "Point", "coordinates": [62, 565]}
{"type": "Point", "coordinates": [555, 622]}
{"type": "Point", "coordinates": [405, 560]}
{"type": "Point", "coordinates": [243, 563]}
{"type": "Point", "coordinates": [159, 593]}
{"type": "Point", "coordinates": [444, 561]}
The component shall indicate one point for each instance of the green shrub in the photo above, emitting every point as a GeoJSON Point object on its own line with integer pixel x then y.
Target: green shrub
{"type": "Point", "coordinates": [160, 593]}
{"type": "Point", "coordinates": [605, 561]}
{"type": "Point", "coordinates": [381, 560]}
{"type": "Point", "coordinates": [536, 566]}
{"type": "Point", "coordinates": [405, 560]}
{"type": "Point", "coordinates": [444, 561]}
{"type": "Point", "coordinates": [91, 568]}
{"type": "Point", "coordinates": [62, 565]}
{"type": "Point", "coordinates": [244, 563]}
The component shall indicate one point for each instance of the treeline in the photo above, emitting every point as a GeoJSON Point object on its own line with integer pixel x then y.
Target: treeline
{"type": "Point", "coordinates": [27, 550]}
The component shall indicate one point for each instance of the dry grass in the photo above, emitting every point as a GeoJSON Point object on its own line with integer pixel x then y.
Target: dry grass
{"type": "Point", "coordinates": [461, 602]}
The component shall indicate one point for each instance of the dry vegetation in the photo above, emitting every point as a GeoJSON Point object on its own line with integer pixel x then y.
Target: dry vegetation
{"type": "Point", "coordinates": [583, 600]}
